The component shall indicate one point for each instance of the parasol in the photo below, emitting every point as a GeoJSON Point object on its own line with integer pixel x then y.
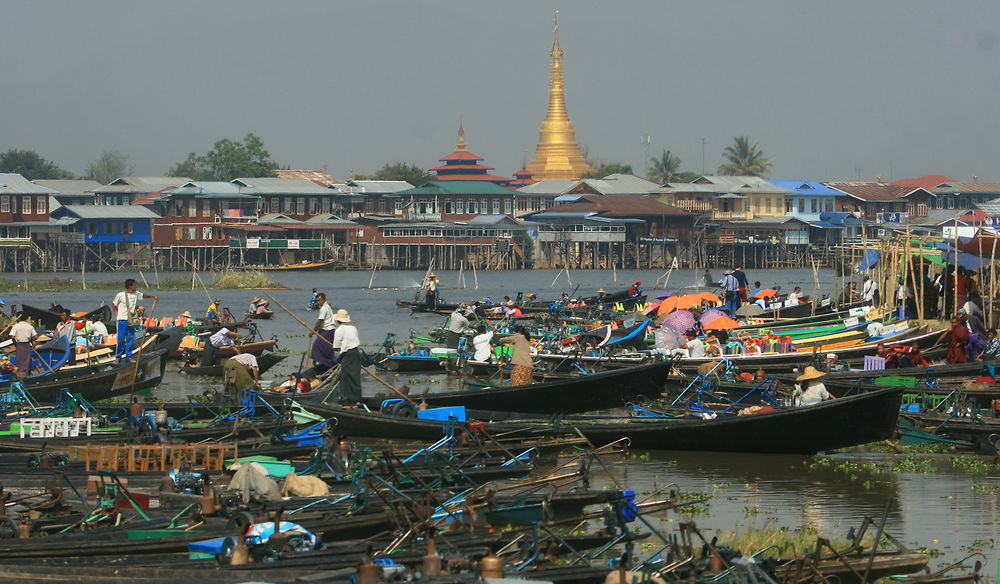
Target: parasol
{"type": "Point", "coordinates": [722, 322]}
{"type": "Point", "coordinates": [689, 301]}
{"type": "Point", "coordinates": [708, 296]}
{"type": "Point", "coordinates": [664, 295]}
{"type": "Point", "coordinates": [711, 314]}
{"type": "Point", "coordinates": [768, 293]}
{"type": "Point", "coordinates": [749, 310]}
{"type": "Point", "coordinates": [679, 321]}
{"type": "Point", "coordinates": [668, 305]}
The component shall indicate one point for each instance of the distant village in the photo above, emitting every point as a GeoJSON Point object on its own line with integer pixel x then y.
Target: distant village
{"type": "Point", "coordinates": [545, 216]}
{"type": "Point", "coordinates": [621, 220]}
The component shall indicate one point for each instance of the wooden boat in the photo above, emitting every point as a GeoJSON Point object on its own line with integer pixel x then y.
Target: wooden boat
{"type": "Point", "coordinates": [49, 318]}
{"type": "Point", "coordinates": [584, 393]}
{"type": "Point", "coordinates": [196, 347]}
{"type": "Point", "coordinates": [836, 423]}
{"type": "Point", "coordinates": [46, 359]}
{"type": "Point", "coordinates": [264, 362]}
{"type": "Point", "coordinates": [300, 267]}
{"type": "Point", "coordinates": [415, 361]}
{"type": "Point", "coordinates": [261, 315]}
{"type": "Point", "coordinates": [785, 361]}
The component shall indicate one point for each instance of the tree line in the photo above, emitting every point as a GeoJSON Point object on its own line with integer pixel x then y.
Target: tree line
{"type": "Point", "coordinates": [248, 157]}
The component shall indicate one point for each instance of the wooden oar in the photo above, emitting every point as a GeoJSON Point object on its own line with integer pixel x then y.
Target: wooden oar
{"type": "Point", "coordinates": [365, 369]}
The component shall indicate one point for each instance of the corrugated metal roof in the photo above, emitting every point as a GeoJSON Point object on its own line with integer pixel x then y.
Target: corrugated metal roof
{"type": "Point", "coordinates": [958, 187]}
{"type": "Point", "coordinates": [870, 190]}
{"type": "Point", "coordinates": [926, 181]}
{"type": "Point", "coordinates": [281, 186]}
{"type": "Point", "coordinates": [328, 219]}
{"type": "Point", "coordinates": [740, 184]}
{"type": "Point", "coordinates": [13, 183]}
{"type": "Point", "coordinates": [317, 176]}
{"type": "Point", "coordinates": [623, 206]}
{"type": "Point", "coordinates": [202, 187]}
{"type": "Point", "coordinates": [142, 184]}
{"type": "Point", "coordinates": [458, 187]}
{"type": "Point", "coordinates": [378, 187]}
{"type": "Point", "coordinates": [277, 218]}
{"type": "Point", "coordinates": [110, 211]}
{"type": "Point", "coordinates": [80, 187]}
{"type": "Point", "coordinates": [548, 187]}
{"type": "Point", "coordinates": [805, 187]}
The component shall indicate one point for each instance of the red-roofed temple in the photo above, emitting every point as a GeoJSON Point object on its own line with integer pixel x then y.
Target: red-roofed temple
{"type": "Point", "coordinates": [464, 165]}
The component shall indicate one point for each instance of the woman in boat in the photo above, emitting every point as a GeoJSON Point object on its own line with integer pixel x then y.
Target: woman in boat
{"type": "Point", "coordinates": [958, 338]}
{"type": "Point", "coordinates": [812, 391]}
{"type": "Point", "coordinates": [240, 373]}
{"type": "Point", "coordinates": [347, 345]}
{"type": "Point", "coordinates": [523, 371]}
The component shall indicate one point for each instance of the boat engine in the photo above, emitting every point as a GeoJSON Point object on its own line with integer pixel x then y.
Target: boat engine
{"type": "Point", "coordinates": [188, 482]}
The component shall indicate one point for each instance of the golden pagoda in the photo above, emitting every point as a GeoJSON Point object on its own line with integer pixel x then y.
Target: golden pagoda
{"type": "Point", "coordinates": [557, 154]}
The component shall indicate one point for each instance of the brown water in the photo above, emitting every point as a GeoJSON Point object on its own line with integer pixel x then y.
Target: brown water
{"type": "Point", "coordinates": [948, 510]}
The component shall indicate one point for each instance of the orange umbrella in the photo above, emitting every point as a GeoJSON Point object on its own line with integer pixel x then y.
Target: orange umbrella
{"type": "Point", "coordinates": [722, 322]}
{"type": "Point", "coordinates": [709, 297]}
{"type": "Point", "coordinates": [689, 301]}
{"type": "Point", "coordinates": [766, 293]}
{"type": "Point", "coordinates": [668, 305]}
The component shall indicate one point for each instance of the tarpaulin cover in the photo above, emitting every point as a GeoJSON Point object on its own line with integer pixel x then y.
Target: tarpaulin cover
{"type": "Point", "coordinates": [868, 259]}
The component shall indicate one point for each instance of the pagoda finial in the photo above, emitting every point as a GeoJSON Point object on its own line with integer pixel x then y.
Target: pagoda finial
{"type": "Point", "coordinates": [556, 49]}
{"type": "Point", "coordinates": [460, 145]}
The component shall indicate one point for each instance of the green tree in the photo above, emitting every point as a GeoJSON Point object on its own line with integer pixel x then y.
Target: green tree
{"type": "Point", "coordinates": [411, 173]}
{"type": "Point", "coordinates": [744, 159]}
{"type": "Point", "coordinates": [227, 160]}
{"type": "Point", "coordinates": [190, 167]}
{"type": "Point", "coordinates": [685, 177]}
{"type": "Point", "coordinates": [31, 165]}
{"type": "Point", "coordinates": [664, 168]}
{"type": "Point", "coordinates": [609, 168]}
{"type": "Point", "coordinates": [111, 164]}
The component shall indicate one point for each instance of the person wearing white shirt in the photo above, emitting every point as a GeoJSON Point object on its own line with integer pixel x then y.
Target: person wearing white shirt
{"type": "Point", "coordinates": [869, 291]}
{"type": "Point", "coordinates": [346, 345]}
{"type": "Point", "coordinates": [793, 296]}
{"type": "Point", "coordinates": [322, 355]}
{"type": "Point", "coordinates": [22, 333]}
{"type": "Point", "coordinates": [126, 304]}
{"type": "Point", "coordinates": [482, 344]}
{"type": "Point", "coordinates": [97, 329]}
{"type": "Point", "coordinates": [695, 346]}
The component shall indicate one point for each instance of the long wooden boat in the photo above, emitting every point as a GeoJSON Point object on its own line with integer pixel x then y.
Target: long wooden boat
{"type": "Point", "coordinates": [264, 362]}
{"type": "Point", "coordinates": [300, 267]}
{"type": "Point", "coordinates": [256, 347]}
{"type": "Point", "coordinates": [785, 361]}
{"type": "Point", "coordinates": [836, 423]}
{"type": "Point", "coordinates": [50, 317]}
{"type": "Point", "coordinates": [608, 389]}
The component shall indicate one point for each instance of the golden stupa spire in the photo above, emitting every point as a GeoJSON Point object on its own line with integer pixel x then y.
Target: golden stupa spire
{"type": "Point", "coordinates": [557, 154]}
{"type": "Point", "coordinates": [460, 145]}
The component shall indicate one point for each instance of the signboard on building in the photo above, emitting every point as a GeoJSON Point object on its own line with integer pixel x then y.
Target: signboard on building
{"type": "Point", "coordinates": [253, 242]}
{"type": "Point", "coordinates": [293, 244]}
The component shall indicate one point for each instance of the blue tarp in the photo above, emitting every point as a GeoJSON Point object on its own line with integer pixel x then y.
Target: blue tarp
{"type": "Point", "coordinates": [869, 259]}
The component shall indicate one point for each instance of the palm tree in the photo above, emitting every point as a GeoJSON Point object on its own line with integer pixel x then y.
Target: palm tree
{"type": "Point", "coordinates": [664, 169]}
{"type": "Point", "coordinates": [744, 159]}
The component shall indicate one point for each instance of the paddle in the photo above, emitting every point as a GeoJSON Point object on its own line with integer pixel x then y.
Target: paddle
{"type": "Point", "coordinates": [365, 369]}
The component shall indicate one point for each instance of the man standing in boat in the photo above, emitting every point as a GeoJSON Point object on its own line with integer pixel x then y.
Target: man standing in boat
{"type": "Point", "coordinates": [731, 288]}
{"type": "Point", "coordinates": [322, 349]}
{"type": "Point", "coordinates": [126, 305]}
{"type": "Point", "coordinates": [23, 334]}
{"type": "Point", "coordinates": [741, 278]}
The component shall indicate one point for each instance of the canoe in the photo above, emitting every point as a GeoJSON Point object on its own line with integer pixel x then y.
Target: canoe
{"type": "Point", "coordinates": [836, 423]}
{"type": "Point", "coordinates": [264, 362]}
{"type": "Point", "coordinates": [300, 267]}
{"type": "Point", "coordinates": [256, 347]}
{"type": "Point", "coordinates": [49, 318]}
{"type": "Point", "coordinates": [597, 391]}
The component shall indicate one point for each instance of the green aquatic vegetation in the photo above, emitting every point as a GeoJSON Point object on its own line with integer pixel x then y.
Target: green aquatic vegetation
{"type": "Point", "coordinates": [224, 280]}
{"type": "Point", "coordinates": [976, 465]}
{"type": "Point", "coordinates": [985, 487]}
{"type": "Point", "coordinates": [927, 551]}
{"type": "Point", "coordinates": [914, 463]}
{"type": "Point", "coordinates": [980, 545]}
{"type": "Point", "coordinates": [784, 541]}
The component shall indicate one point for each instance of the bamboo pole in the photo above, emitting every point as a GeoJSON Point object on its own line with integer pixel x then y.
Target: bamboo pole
{"type": "Point", "coordinates": [475, 275]}
{"type": "Point", "coordinates": [955, 279]}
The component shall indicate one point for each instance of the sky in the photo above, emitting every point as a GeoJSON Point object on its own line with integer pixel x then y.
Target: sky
{"type": "Point", "coordinates": [841, 90]}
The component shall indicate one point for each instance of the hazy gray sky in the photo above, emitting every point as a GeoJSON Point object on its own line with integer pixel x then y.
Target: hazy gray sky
{"type": "Point", "coordinates": [831, 90]}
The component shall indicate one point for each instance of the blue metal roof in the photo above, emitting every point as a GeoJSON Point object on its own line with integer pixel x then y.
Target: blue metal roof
{"type": "Point", "coordinates": [805, 187]}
